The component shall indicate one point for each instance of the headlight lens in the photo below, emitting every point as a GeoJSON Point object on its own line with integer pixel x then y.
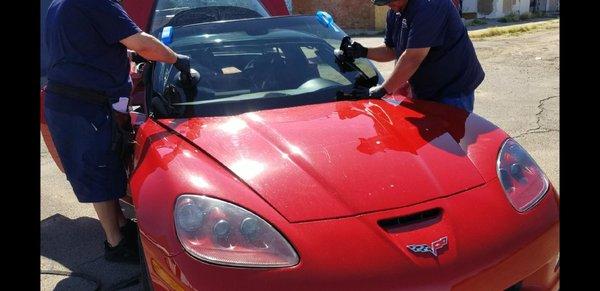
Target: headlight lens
{"type": "Point", "coordinates": [223, 233]}
{"type": "Point", "coordinates": [522, 179]}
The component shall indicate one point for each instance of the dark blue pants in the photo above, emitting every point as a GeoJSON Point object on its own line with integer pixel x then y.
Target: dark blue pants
{"type": "Point", "coordinates": [464, 101]}
{"type": "Point", "coordinates": [83, 136]}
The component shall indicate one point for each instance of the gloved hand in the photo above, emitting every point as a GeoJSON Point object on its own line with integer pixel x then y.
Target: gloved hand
{"type": "Point", "coordinates": [376, 92]}
{"type": "Point", "coordinates": [183, 65]}
{"type": "Point", "coordinates": [355, 50]}
{"type": "Point", "coordinates": [347, 53]}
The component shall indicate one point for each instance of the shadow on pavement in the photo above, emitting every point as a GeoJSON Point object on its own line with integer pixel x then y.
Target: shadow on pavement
{"type": "Point", "coordinates": [77, 246]}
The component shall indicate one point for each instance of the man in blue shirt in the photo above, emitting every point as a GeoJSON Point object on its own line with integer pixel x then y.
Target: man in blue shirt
{"type": "Point", "coordinates": [432, 50]}
{"type": "Point", "coordinates": [88, 71]}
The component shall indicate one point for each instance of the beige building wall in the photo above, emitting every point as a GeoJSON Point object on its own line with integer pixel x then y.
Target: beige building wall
{"type": "Point", "coordinates": [523, 6]}
{"type": "Point", "coordinates": [507, 6]}
{"type": "Point", "coordinates": [553, 5]}
{"type": "Point", "coordinates": [380, 17]}
{"type": "Point", "coordinates": [541, 5]}
{"type": "Point", "coordinates": [469, 6]}
{"type": "Point", "coordinates": [485, 7]}
{"type": "Point", "coordinates": [499, 8]}
{"type": "Point", "coordinates": [348, 14]}
{"type": "Point", "coordinates": [361, 14]}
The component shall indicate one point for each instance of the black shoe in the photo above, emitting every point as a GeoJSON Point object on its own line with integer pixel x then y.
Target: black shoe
{"type": "Point", "coordinates": [130, 232]}
{"type": "Point", "coordinates": [124, 252]}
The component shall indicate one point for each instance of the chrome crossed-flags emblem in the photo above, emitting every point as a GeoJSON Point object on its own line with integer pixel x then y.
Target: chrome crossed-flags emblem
{"type": "Point", "coordinates": [433, 248]}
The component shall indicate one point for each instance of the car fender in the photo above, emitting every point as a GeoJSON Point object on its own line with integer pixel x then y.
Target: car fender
{"type": "Point", "coordinates": [167, 166]}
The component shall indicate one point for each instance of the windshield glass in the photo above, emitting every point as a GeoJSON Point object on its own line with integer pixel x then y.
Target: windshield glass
{"type": "Point", "coordinates": [258, 64]}
{"type": "Point", "coordinates": [166, 9]}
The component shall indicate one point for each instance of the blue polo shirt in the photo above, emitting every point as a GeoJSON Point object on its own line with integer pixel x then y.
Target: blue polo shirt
{"type": "Point", "coordinates": [451, 66]}
{"type": "Point", "coordinates": [82, 38]}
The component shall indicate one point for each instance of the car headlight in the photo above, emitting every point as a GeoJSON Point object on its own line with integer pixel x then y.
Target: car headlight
{"type": "Point", "coordinates": [223, 233]}
{"type": "Point", "coordinates": [522, 179]}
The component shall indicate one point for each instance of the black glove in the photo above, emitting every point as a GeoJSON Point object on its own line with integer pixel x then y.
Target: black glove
{"type": "Point", "coordinates": [377, 92]}
{"type": "Point", "coordinates": [355, 50]}
{"type": "Point", "coordinates": [183, 65]}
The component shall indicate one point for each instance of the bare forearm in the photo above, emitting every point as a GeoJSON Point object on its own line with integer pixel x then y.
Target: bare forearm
{"type": "Point", "coordinates": [381, 53]}
{"type": "Point", "coordinates": [407, 65]}
{"type": "Point", "coordinates": [150, 48]}
{"type": "Point", "coordinates": [157, 51]}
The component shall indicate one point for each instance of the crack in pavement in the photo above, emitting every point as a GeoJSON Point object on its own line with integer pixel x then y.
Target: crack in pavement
{"type": "Point", "coordinates": [538, 115]}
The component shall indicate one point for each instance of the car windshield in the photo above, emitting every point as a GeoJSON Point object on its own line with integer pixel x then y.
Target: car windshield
{"type": "Point", "coordinates": [258, 64]}
{"type": "Point", "coordinates": [166, 9]}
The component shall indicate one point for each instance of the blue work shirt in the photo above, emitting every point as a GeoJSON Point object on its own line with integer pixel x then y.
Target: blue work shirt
{"type": "Point", "coordinates": [82, 38]}
{"type": "Point", "coordinates": [451, 67]}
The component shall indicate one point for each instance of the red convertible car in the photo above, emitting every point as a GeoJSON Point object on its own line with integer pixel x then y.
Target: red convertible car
{"type": "Point", "coordinates": [268, 173]}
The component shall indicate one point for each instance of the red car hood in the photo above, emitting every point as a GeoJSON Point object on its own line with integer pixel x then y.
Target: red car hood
{"type": "Point", "coordinates": [341, 159]}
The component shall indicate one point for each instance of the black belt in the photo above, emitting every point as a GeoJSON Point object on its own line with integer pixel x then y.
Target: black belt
{"type": "Point", "coordinates": [83, 94]}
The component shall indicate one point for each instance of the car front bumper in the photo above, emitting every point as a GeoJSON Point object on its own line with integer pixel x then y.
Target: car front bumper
{"type": "Point", "coordinates": [490, 247]}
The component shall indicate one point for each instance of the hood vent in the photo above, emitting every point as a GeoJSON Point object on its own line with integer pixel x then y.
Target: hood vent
{"type": "Point", "coordinates": [412, 221]}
